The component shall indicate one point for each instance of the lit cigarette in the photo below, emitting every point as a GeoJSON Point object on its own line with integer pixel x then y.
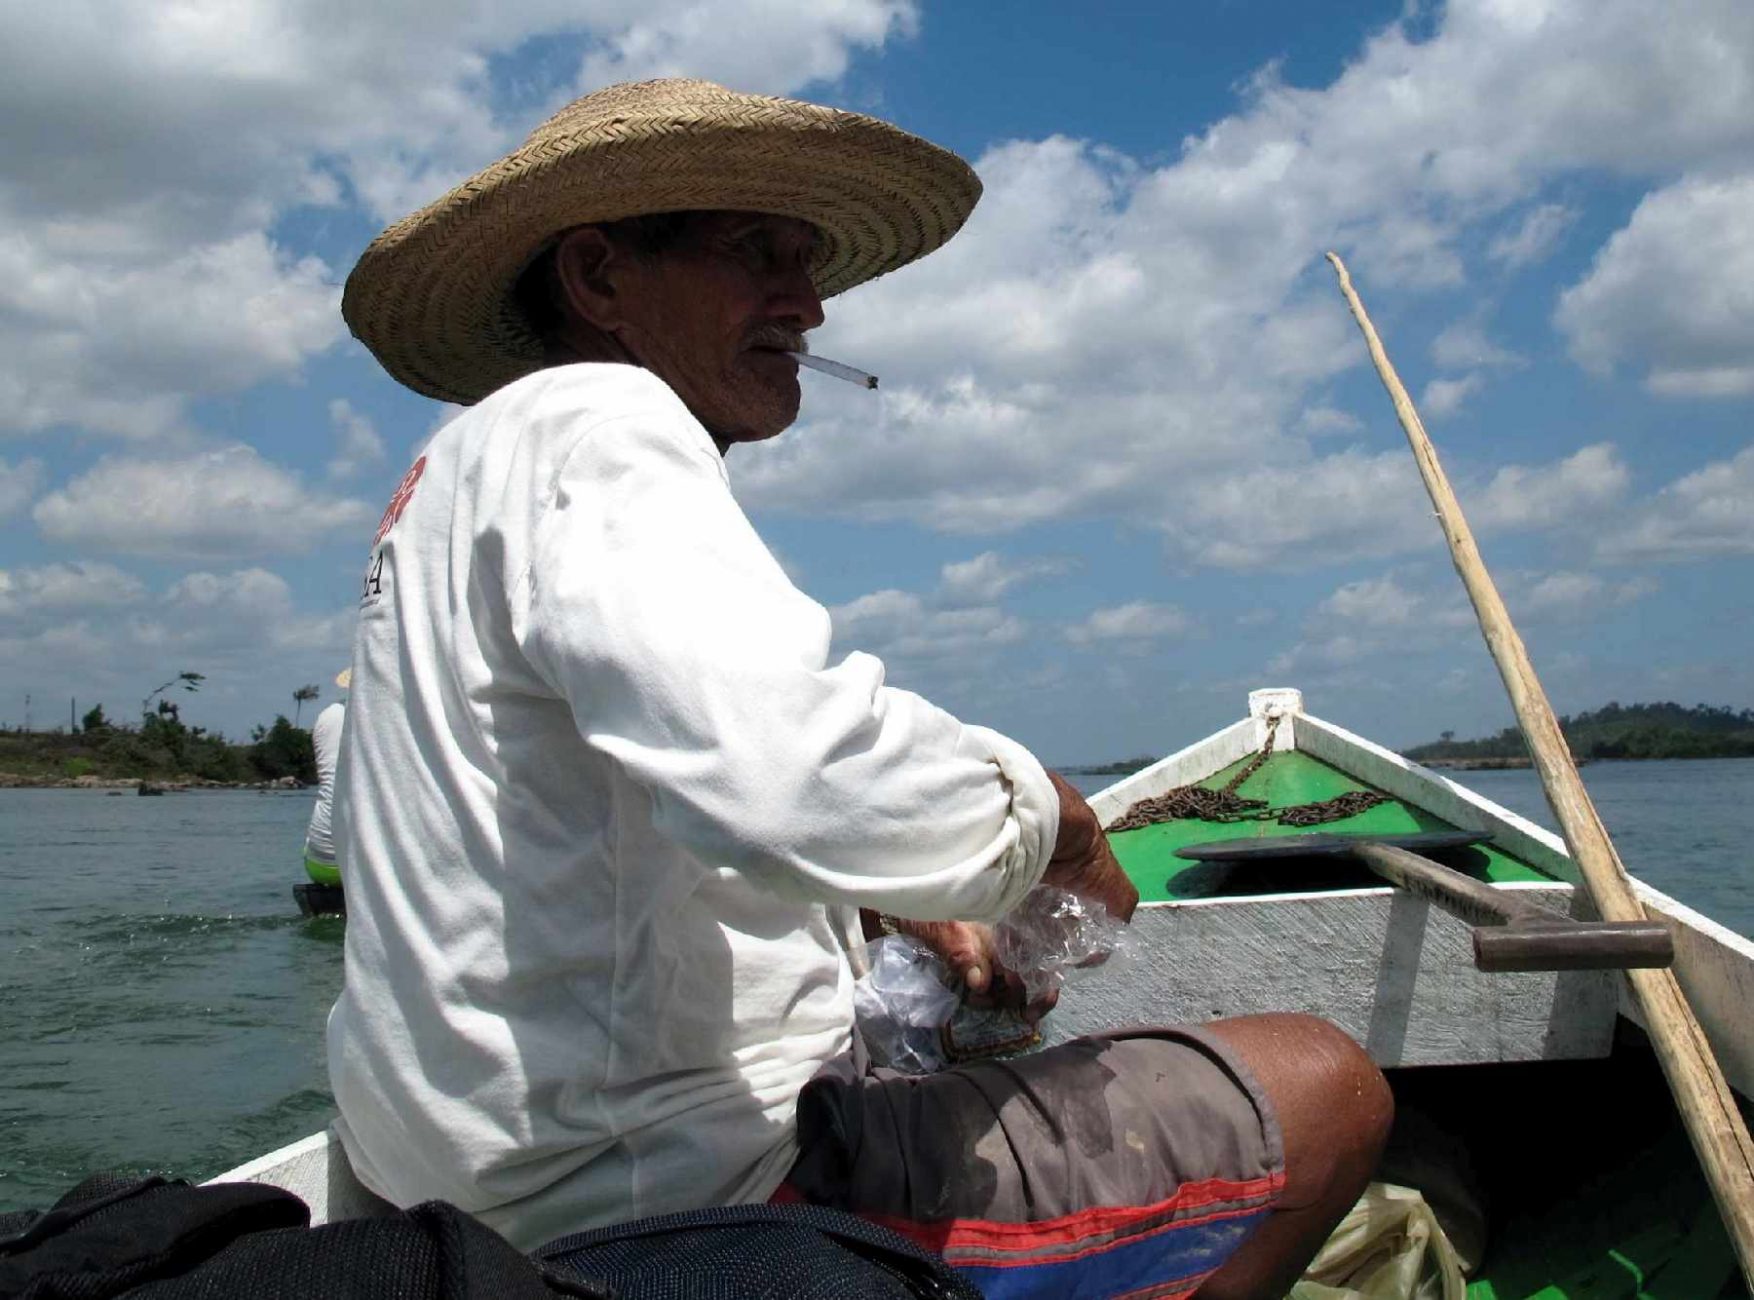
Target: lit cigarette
{"type": "Point", "coordinates": [834, 368]}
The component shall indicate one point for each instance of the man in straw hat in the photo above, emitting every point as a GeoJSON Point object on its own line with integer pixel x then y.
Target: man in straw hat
{"type": "Point", "coordinates": [604, 796]}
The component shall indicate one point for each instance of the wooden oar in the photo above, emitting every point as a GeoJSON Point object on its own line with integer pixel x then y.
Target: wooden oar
{"type": "Point", "coordinates": [1510, 933]}
{"type": "Point", "coordinates": [1707, 1106]}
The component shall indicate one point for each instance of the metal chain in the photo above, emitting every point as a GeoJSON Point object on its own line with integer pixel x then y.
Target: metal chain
{"type": "Point", "coordinates": [1197, 803]}
{"type": "Point", "coordinates": [1336, 809]}
{"type": "Point", "coordinates": [1193, 802]}
{"type": "Point", "coordinates": [1262, 756]}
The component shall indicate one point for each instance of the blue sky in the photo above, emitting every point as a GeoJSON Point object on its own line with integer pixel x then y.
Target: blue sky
{"type": "Point", "coordinates": [1129, 460]}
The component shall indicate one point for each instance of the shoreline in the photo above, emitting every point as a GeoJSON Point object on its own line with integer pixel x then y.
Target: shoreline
{"type": "Point", "coordinates": [1483, 764]}
{"type": "Point", "coordinates": [159, 785]}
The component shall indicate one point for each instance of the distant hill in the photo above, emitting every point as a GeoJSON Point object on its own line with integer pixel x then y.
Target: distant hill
{"type": "Point", "coordinates": [1120, 767]}
{"type": "Point", "coordinates": [1619, 731]}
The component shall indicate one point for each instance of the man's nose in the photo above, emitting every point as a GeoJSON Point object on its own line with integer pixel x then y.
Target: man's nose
{"type": "Point", "coordinates": [795, 300]}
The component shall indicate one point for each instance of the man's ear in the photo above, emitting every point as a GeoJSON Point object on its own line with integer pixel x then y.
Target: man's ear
{"type": "Point", "coordinates": [585, 266]}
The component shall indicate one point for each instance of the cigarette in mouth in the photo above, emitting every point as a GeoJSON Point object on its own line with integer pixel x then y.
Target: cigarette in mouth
{"type": "Point", "coordinates": [834, 368]}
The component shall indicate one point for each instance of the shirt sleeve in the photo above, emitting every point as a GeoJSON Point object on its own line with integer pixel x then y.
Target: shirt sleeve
{"type": "Point", "coordinates": [689, 659]}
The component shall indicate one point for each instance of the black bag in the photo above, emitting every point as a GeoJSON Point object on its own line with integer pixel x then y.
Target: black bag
{"type": "Point", "coordinates": [755, 1252]}
{"type": "Point", "coordinates": [156, 1240]}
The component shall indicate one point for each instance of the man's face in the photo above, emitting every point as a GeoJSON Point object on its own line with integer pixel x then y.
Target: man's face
{"type": "Point", "coordinates": [714, 314]}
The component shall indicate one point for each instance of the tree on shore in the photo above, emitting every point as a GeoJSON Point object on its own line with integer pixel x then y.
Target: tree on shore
{"type": "Point", "coordinates": [301, 696]}
{"type": "Point", "coordinates": [1663, 730]}
{"type": "Point", "coordinates": [188, 681]}
{"type": "Point", "coordinates": [283, 750]}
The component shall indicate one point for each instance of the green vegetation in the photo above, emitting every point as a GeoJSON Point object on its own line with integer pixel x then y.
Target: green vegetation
{"type": "Point", "coordinates": [1120, 767]}
{"type": "Point", "coordinates": [1620, 731]}
{"type": "Point", "coordinates": [160, 750]}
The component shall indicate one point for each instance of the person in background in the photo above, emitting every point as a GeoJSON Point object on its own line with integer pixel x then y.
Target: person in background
{"type": "Point", "coordinates": [320, 860]}
{"type": "Point", "coordinates": [606, 807]}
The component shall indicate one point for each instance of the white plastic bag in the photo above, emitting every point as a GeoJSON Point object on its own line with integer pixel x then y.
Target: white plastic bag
{"type": "Point", "coordinates": [1388, 1247]}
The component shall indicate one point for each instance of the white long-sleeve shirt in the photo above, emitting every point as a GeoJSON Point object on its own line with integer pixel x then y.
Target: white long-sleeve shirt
{"type": "Point", "coordinates": [598, 790]}
{"type": "Point", "coordinates": [326, 742]}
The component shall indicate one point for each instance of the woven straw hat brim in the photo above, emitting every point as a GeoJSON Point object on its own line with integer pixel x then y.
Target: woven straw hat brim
{"type": "Point", "coordinates": [431, 297]}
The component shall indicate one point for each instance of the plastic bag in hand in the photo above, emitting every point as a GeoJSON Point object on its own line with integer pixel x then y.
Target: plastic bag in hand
{"type": "Point", "coordinates": [901, 1003]}
{"type": "Point", "coordinates": [1053, 936]}
{"type": "Point", "coordinates": [908, 998]}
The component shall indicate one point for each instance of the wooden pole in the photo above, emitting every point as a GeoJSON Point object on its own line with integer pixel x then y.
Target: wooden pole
{"type": "Point", "coordinates": [1708, 1107]}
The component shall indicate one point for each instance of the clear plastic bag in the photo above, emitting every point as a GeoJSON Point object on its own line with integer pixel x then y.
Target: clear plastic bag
{"type": "Point", "coordinates": [902, 1002]}
{"type": "Point", "coordinates": [1053, 937]}
{"type": "Point", "coordinates": [910, 1011]}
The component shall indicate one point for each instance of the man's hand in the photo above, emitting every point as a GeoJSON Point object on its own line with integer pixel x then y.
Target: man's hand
{"type": "Point", "coordinates": [966, 949]}
{"type": "Point", "coordinates": [1082, 862]}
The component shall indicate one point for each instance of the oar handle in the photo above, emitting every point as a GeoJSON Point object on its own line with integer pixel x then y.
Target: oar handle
{"type": "Point", "coordinates": [1573, 945]}
{"type": "Point", "coordinates": [1513, 934]}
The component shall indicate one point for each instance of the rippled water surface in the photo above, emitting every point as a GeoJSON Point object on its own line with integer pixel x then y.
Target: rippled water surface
{"type": "Point", "coordinates": [162, 1002]}
{"type": "Point", "coordinates": [1685, 827]}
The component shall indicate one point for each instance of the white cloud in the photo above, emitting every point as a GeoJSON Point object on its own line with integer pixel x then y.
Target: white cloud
{"type": "Point", "coordinates": [1106, 332]}
{"type": "Point", "coordinates": [18, 485]}
{"type": "Point", "coordinates": [77, 585]}
{"type": "Point", "coordinates": [989, 575]}
{"type": "Point", "coordinates": [799, 42]}
{"type": "Point", "coordinates": [1707, 513]}
{"type": "Point", "coordinates": [1297, 515]}
{"type": "Point", "coordinates": [1446, 396]}
{"type": "Point", "coordinates": [106, 339]}
{"type": "Point", "coordinates": [1138, 620]}
{"type": "Point", "coordinates": [1318, 420]}
{"type": "Point", "coordinates": [1672, 292]}
{"type": "Point", "coordinates": [1563, 494]}
{"type": "Point", "coordinates": [1387, 603]}
{"type": "Point", "coordinates": [357, 444]}
{"type": "Point", "coordinates": [1569, 596]}
{"type": "Point", "coordinates": [137, 271]}
{"type": "Point", "coordinates": [1463, 345]}
{"type": "Point", "coordinates": [1537, 236]}
{"type": "Point", "coordinates": [224, 502]}
{"type": "Point", "coordinates": [1401, 616]}
{"type": "Point", "coordinates": [900, 626]}
{"type": "Point", "coordinates": [948, 626]}
{"type": "Point", "coordinates": [93, 631]}
{"type": "Point", "coordinates": [206, 612]}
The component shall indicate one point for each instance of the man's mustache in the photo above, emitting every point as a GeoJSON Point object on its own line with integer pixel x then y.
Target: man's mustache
{"type": "Point", "coordinates": [779, 338]}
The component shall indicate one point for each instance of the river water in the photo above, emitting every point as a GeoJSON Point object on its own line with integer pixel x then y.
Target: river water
{"type": "Point", "coordinates": [162, 1002]}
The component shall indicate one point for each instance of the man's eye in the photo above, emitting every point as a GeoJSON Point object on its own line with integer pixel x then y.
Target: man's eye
{"type": "Point", "coordinates": [753, 247]}
{"type": "Point", "coordinates": [757, 249]}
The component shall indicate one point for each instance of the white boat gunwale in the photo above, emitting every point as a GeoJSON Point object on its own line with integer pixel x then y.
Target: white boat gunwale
{"type": "Point", "coordinates": [1392, 970]}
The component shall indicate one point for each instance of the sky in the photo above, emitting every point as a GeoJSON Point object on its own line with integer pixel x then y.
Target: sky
{"type": "Point", "coordinates": [1128, 460]}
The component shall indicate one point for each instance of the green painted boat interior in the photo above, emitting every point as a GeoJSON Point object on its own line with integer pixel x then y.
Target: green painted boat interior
{"type": "Point", "coordinates": [1571, 1180]}
{"type": "Point", "coordinates": [1553, 1205]}
{"type": "Point", "coordinates": [1284, 780]}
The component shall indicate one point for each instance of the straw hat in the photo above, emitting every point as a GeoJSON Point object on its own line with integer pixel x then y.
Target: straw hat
{"type": "Point", "coordinates": [431, 297]}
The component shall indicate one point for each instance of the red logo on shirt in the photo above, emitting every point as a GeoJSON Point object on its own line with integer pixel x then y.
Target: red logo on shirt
{"type": "Point", "coordinates": [399, 499]}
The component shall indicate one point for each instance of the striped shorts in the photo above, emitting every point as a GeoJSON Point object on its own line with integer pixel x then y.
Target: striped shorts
{"type": "Point", "coordinates": [1130, 1163]}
